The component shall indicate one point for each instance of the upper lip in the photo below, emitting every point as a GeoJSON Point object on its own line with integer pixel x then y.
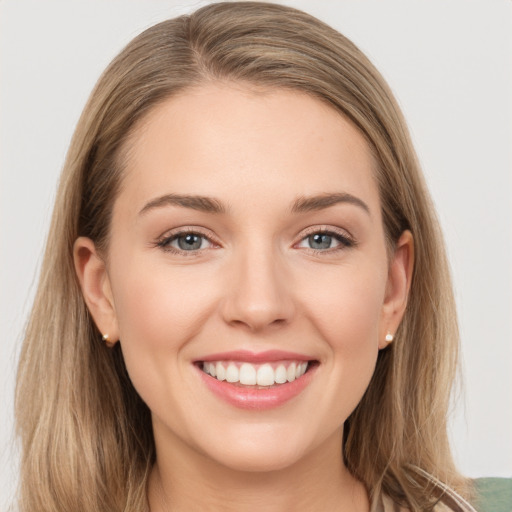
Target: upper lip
{"type": "Point", "coordinates": [255, 357]}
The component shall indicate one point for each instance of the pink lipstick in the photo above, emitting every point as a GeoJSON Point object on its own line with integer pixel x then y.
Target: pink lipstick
{"type": "Point", "coordinates": [256, 381]}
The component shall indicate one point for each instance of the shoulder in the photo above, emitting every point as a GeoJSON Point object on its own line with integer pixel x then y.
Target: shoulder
{"type": "Point", "coordinates": [490, 495]}
{"type": "Point", "coordinates": [493, 494]}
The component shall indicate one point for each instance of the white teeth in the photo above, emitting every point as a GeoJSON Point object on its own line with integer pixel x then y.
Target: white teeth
{"type": "Point", "coordinates": [248, 374]}
{"type": "Point", "coordinates": [281, 374]}
{"type": "Point", "coordinates": [220, 371]}
{"type": "Point", "coordinates": [210, 368]}
{"type": "Point", "coordinates": [291, 372]}
{"type": "Point", "coordinates": [266, 375]}
{"type": "Point", "coordinates": [232, 373]}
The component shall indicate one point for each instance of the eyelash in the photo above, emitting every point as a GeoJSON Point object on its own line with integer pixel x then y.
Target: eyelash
{"type": "Point", "coordinates": [345, 241]}
{"type": "Point", "coordinates": [164, 243]}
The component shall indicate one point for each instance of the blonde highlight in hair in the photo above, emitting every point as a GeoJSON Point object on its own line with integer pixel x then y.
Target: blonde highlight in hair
{"type": "Point", "coordinates": [85, 433]}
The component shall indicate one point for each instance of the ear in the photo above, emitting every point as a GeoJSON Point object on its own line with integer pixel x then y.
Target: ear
{"type": "Point", "coordinates": [96, 289]}
{"type": "Point", "coordinates": [397, 288]}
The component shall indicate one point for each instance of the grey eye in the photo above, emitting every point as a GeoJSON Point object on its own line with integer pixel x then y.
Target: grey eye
{"type": "Point", "coordinates": [188, 242]}
{"type": "Point", "coordinates": [324, 241]}
{"type": "Point", "coordinates": [320, 241]}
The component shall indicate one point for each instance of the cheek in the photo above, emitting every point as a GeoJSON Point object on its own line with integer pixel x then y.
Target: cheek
{"type": "Point", "coordinates": [158, 312]}
{"type": "Point", "coordinates": [155, 302]}
{"type": "Point", "coordinates": [346, 304]}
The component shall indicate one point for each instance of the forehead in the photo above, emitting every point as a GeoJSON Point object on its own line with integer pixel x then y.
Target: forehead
{"type": "Point", "coordinates": [218, 139]}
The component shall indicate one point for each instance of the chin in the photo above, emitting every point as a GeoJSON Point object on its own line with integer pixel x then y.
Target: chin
{"type": "Point", "coordinates": [260, 447]}
{"type": "Point", "coordinates": [258, 459]}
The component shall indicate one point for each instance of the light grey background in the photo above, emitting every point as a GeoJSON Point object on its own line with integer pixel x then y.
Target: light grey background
{"type": "Point", "coordinates": [450, 65]}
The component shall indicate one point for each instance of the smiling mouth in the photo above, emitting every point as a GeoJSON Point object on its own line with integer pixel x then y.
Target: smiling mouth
{"type": "Point", "coordinates": [264, 375]}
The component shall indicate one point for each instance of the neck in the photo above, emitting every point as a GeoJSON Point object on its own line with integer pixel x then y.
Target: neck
{"type": "Point", "coordinates": [187, 481]}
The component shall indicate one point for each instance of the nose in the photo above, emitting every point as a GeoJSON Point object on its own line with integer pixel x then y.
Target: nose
{"type": "Point", "coordinates": [258, 291]}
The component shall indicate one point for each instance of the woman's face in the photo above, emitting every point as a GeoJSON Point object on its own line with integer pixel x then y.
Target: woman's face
{"type": "Point", "coordinates": [247, 243]}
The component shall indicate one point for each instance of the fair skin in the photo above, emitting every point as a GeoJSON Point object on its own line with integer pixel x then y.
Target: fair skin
{"type": "Point", "coordinates": [262, 266]}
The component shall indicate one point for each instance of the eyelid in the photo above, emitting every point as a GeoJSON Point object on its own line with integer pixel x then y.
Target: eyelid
{"type": "Point", "coordinates": [166, 238]}
{"type": "Point", "coordinates": [345, 239]}
{"type": "Point", "coordinates": [343, 236]}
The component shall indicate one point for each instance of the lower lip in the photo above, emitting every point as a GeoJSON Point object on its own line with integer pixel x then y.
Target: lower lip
{"type": "Point", "coordinates": [253, 398]}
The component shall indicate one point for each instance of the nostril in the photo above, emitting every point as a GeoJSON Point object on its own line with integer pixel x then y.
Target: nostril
{"type": "Point", "coordinates": [255, 323]}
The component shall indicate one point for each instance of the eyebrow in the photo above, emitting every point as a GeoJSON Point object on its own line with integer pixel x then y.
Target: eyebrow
{"type": "Point", "coordinates": [313, 203]}
{"type": "Point", "coordinates": [200, 203]}
{"type": "Point", "coordinates": [206, 204]}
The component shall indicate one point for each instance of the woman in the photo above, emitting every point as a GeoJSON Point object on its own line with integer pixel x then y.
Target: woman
{"type": "Point", "coordinates": [244, 278]}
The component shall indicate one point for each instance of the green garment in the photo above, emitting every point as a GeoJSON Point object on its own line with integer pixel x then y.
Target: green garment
{"type": "Point", "coordinates": [493, 494]}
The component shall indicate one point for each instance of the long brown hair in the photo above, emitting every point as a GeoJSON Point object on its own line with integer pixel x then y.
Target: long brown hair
{"type": "Point", "coordinates": [85, 433]}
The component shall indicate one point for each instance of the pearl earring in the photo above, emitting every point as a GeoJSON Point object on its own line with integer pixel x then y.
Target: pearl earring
{"type": "Point", "coordinates": [107, 341]}
{"type": "Point", "coordinates": [389, 337]}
